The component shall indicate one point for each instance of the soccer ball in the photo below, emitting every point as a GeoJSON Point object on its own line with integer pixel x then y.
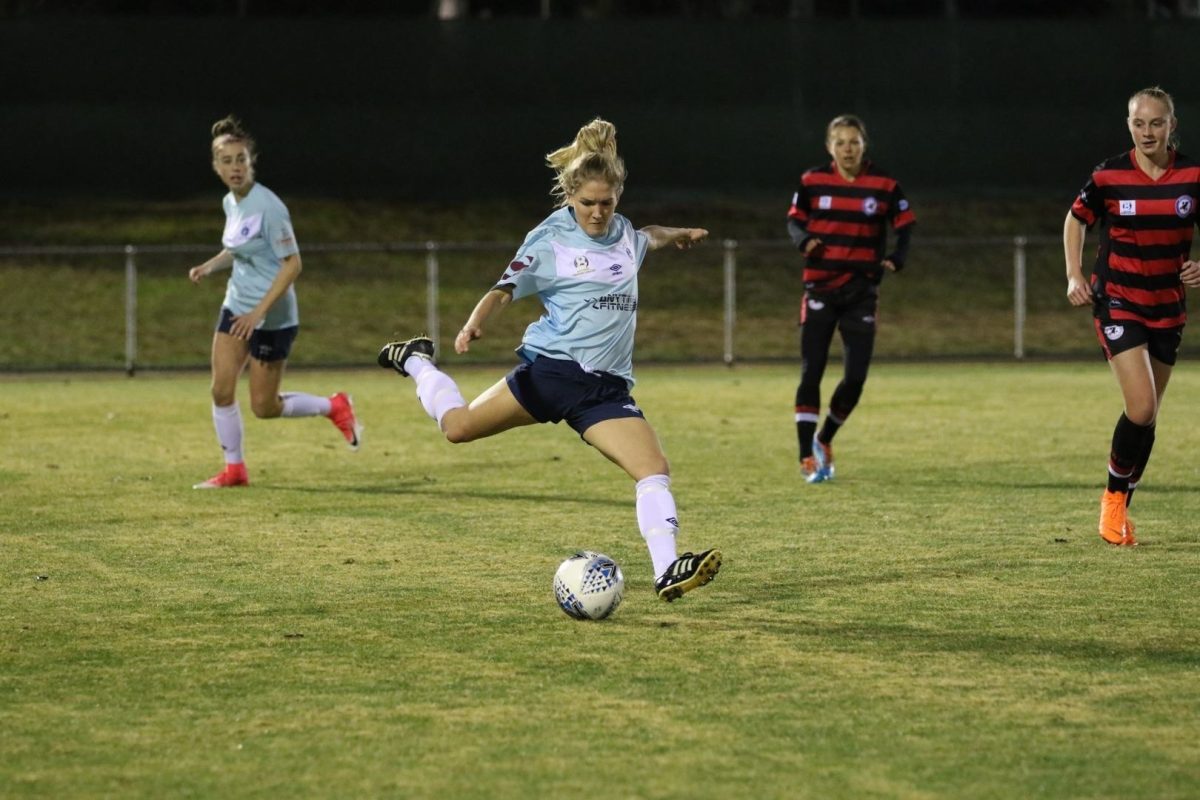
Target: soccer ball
{"type": "Point", "coordinates": [589, 585]}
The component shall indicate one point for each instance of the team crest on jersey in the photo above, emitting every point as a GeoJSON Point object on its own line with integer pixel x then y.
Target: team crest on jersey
{"type": "Point", "coordinates": [1184, 205]}
{"type": "Point", "coordinates": [582, 266]}
{"type": "Point", "coordinates": [1128, 208]}
{"type": "Point", "coordinates": [870, 205]}
{"type": "Point", "coordinates": [516, 266]}
{"type": "Point", "coordinates": [825, 202]}
{"type": "Point", "coordinates": [1114, 332]}
{"type": "Point", "coordinates": [816, 305]}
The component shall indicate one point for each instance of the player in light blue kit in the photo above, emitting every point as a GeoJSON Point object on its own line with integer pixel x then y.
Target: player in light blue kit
{"type": "Point", "coordinates": [577, 359]}
{"type": "Point", "coordinates": [259, 318]}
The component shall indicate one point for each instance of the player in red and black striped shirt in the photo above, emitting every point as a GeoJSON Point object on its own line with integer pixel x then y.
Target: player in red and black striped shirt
{"type": "Point", "coordinates": [1145, 202]}
{"type": "Point", "coordinates": [839, 219]}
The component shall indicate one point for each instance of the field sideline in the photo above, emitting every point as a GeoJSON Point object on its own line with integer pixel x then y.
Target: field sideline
{"type": "Point", "coordinates": [941, 621]}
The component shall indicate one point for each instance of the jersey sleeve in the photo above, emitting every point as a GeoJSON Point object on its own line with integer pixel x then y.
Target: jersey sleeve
{"type": "Point", "coordinates": [531, 270]}
{"type": "Point", "coordinates": [800, 205]}
{"type": "Point", "coordinates": [277, 231]}
{"type": "Point", "coordinates": [1089, 205]}
{"type": "Point", "coordinates": [901, 212]}
{"type": "Point", "coordinates": [641, 246]}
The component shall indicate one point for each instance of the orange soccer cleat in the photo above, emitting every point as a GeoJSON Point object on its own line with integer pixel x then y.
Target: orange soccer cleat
{"type": "Point", "coordinates": [341, 414]}
{"type": "Point", "coordinates": [1115, 527]}
{"type": "Point", "coordinates": [232, 475]}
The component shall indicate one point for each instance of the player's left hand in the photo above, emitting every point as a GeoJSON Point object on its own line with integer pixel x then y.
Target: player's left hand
{"type": "Point", "coordinates": [1190, 274]}
{"type": "Point", "coordinates": [689, 236]}
{"type": "Point", "coordinates": [888, 264]}
{"type": "Point", "coordinates": [243, 325]}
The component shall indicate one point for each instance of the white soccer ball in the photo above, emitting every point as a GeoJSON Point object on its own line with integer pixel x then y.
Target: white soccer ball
{"type": "Point", "coordinates": [589, 585]}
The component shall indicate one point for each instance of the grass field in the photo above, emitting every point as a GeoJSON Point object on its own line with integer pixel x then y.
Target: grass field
{"type": "Point", "coordinates": [939, 622]}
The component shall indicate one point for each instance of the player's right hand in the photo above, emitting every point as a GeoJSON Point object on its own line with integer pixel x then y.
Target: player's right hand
{"type": "Point", "coordinates": [196, 273]}
{"type": "Point", "coordinates": [462, 342]}
{"type": "Point", "coordinates": [1079, 292]}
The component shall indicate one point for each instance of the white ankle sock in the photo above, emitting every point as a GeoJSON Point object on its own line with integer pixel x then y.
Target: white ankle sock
{"type": "Point", "coordinates": [657, 520]}
{"type": "Point", "coordinates": [299, 404]}
{"type": "Point", "coordinates": [228, 422]}
{"type": "Point", "coordinates": [438, 393]}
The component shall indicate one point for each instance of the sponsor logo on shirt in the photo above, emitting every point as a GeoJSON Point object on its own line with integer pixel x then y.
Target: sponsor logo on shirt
{"type": "Point", "coordinates": [870, 205]}
{"type": "Point", "coordinates": [825, 201]}
{"type": "Point", "coordinates": [1184, 205]}
{"type": "Point", "coordinates": [1114, 332]}
{"type": "Point", "coordinates": [1128, 208]}
{"type": "Point", "coordinates": [618, 301]}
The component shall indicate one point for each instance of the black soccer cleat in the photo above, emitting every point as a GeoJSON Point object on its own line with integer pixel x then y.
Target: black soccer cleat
{"type": "Point", "coordinates": [394, 354]}
{"type": "Point", "coordinates": [686, 573]}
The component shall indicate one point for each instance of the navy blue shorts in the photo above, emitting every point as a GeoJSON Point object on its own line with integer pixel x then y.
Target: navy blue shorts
{"type": "Point", "coordinates": [264, 345]}
{"type": "Point", "coordinates": [553, 390]}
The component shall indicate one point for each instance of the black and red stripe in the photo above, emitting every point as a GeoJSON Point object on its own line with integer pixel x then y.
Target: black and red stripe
{"type": "Point", "coordinates": [1146, 229]}
{"type": "Point", "coordinates": [850, 218]}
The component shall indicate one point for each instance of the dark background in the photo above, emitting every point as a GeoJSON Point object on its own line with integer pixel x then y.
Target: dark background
{"type": "Point", "coordinates": [711, 100]}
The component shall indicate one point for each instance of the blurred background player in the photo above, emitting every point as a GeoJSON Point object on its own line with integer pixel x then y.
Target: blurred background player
{"type": "Point", "coordinates": [1145, 202]}
{"type": "Point", "coordinates": [577, 359]}
{"type": "Point", "coordinates": [259, 318]}
{"type": "Point", "coordinates": [838, 219]}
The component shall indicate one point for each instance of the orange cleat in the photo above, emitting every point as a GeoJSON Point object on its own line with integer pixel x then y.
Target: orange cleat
{"type": "Point", "coordinates": [1114, 522]}
{"type": "Point", "coordinates": [808, 467]}
{"type": "Point", "coordinates": [1130, 540]}
{"type": "Point", "coordinates": [341, 414]}
{"type": "Point", "coordinates": [232, 475]}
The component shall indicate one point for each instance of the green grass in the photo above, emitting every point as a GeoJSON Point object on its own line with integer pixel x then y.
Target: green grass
{"type": "Point", "coordinates": [939, 622]}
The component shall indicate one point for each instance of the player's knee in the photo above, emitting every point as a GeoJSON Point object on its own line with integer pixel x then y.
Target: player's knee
{"type": "Point", "coordinates": [456, 428]}
{"type": "Point", "coordinates": [1143, 413]}
{"type": "Point", "coordinates": [266, 409]}
{"type": "Point", "coordinates": [223, 397]}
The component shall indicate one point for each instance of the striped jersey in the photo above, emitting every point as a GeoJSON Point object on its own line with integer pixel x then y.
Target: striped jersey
{"type": "Point", "coordinates": [849, 217]}
{"type": "Point", "coordinates": [1146, 235]}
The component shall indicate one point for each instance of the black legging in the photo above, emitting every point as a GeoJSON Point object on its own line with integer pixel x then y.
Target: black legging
{"type": "Point", "coordinates": [857, 344]}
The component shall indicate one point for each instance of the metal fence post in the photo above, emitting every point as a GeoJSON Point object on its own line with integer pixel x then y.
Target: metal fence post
{"type": "Point", "coordinates": [432, 322]}
{"type": "Point", "coordinates": [130, 309]}
{"type": "Point", "coordinates": [730, 296]}
{"type": "Point", "coordinates": [1019, 243]}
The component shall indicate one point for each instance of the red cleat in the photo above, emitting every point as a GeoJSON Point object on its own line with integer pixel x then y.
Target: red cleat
{"type": "Point", "coordinates": [341, 414]}
{"type": "Point", "coordinates": [232, 475]}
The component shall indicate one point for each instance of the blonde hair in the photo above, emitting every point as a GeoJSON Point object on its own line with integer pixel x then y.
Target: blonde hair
{"type": "Point", "coordinates": [1163, 96]}
{"type": "Point", "coordinates": [592, 156]}
{"type": "Point", "coordinates": [846, 121]}
{"type": "Point", "coordinates": [230, 129]}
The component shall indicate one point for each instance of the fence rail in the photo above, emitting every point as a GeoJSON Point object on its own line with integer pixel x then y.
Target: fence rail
{"type": "Point", "coordinates": [734, 254]}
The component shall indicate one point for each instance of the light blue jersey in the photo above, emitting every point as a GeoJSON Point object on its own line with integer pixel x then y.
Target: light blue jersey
{"type": "Point", "coordinates": [589, 290]}
{"type": "Point", "coordinates": [258, 231]}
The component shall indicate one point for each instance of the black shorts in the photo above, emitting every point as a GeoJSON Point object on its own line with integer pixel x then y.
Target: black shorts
{"type": "Point", "coordinates": [854, 310]}
{"type": "Point", "coordinates": [1117, 336]}
{"type": "Point", "coordinates": [552, 390]}
{"type": "Point", "coordinates": [273, 345]}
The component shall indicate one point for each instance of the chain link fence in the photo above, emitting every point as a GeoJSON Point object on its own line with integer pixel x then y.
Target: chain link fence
{"type": "Point", "coordinates": [132, 307]}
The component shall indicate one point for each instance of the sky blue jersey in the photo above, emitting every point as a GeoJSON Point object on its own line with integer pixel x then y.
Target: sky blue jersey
{"type": "Point", "coordinates": [588, 288]}
{"type": "Point", "coordinates": [258, 231]}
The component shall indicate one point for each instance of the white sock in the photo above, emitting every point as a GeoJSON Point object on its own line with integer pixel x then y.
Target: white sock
{"type": "Point", "coordinates": [228, 422]}
{"type": "Point", "coordinates": [416, 366]}
{"type": "Point", "coordinates": [657, 520]}
{"type": "Point", "coordinates": [437, 392]}
{"type": "Point", "coordinates": [299, 404]}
